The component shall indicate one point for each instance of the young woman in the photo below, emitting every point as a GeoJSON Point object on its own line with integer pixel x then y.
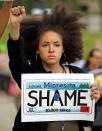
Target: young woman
{"type": "Point", "coordinates": [50, 42]}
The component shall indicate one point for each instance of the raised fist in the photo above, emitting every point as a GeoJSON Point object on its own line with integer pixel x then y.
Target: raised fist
{"type": "Point", "coordinates": [17, 14]}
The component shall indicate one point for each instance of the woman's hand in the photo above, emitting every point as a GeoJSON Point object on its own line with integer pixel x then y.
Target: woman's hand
{"type": "Point", "coordinates": [95, 94]}
{"type": "Point", "coordinates": [17, 14]}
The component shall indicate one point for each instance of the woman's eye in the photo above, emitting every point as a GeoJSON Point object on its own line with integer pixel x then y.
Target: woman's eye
{"type": "Point", "coordinates": [45, 45]}
{"type": "Point", "coordinates": [57, 45]}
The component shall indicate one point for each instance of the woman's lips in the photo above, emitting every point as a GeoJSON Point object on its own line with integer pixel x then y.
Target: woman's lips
{"type": "Point", "coordinates": [51, 56]}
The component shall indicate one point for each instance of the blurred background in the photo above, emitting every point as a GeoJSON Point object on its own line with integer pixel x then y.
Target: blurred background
{"type": "Point", "coordinates": [91, 61]}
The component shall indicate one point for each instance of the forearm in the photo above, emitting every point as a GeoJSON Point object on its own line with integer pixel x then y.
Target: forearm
{"type": "Point", "coordinates": [15, 31]}
{"type": "Point", "coordinates": [4, 15]}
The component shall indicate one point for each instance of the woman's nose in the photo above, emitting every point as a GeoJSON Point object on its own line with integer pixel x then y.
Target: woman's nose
{"type": "Point", "coordinates": [51, 48]}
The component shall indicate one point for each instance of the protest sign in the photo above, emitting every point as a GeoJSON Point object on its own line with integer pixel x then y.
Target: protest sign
{"type": "Point", "coordinates": [55, 97]}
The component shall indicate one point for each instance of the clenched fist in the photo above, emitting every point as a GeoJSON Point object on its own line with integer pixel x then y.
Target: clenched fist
{"type": "Point", "coordinates": [17, 14]}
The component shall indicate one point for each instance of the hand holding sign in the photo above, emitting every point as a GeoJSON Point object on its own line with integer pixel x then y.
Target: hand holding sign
{"type": "Point", "coordinates": [95, 93]}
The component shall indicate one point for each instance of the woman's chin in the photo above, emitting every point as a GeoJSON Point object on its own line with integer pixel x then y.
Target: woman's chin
{"type": "Point", "coordinates": [51, 62]}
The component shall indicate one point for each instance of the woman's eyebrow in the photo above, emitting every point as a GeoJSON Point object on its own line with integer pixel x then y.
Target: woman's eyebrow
{"type": "Point", "coordinates": [51, 42]}
{"type": "Point", "coordinates": [57, 42]}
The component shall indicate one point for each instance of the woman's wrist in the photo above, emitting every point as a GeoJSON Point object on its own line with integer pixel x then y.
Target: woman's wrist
{"type": "Point", "coordinates": [15, 32]}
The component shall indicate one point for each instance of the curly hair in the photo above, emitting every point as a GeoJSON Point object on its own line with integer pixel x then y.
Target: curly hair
{"type": "Point", "coordinates": [61, 21]}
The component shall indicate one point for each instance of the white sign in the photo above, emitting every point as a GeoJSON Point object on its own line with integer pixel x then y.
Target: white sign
{"type": "Point", "coordinates": [55, 97]}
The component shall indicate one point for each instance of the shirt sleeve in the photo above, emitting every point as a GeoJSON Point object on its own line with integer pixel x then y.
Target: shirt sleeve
{"type": "Point", "coordinates": [17, 60]}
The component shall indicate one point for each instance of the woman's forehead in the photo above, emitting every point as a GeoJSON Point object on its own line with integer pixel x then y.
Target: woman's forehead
{"type": "Point", "coordinates": [50, 34]}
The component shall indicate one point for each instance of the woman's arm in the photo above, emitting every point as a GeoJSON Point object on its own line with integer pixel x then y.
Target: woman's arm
{"type": "Point", "coordinates": [16, 58]}
{"type": "Point", "coordinates": [18, 62]}
{"type": "Point", "coordinates": [4, 15]}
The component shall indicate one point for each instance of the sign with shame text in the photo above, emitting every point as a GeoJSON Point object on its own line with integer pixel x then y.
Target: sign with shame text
{"type": "Point", "coordinates": [56, 97]}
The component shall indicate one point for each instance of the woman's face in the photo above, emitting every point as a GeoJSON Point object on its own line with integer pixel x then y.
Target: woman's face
{"type": "Point", "coordinates": [96, 59]}
{"type": "Point", "coordinates": [50, 47]}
